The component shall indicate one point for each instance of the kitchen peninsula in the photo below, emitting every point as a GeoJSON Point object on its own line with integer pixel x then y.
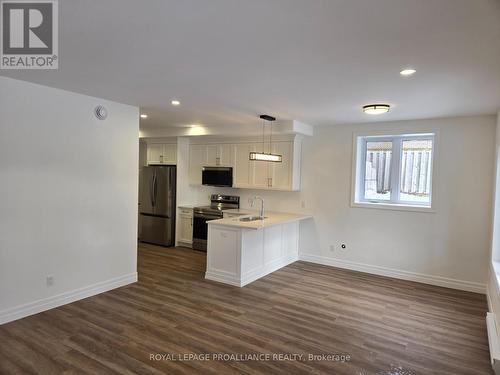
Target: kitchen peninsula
{"type": "Point", "coordinates": [245, 248]}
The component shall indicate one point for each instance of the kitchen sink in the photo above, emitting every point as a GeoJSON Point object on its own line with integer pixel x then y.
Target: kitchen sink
{"type": "Point", "coordinates": [252, 218]}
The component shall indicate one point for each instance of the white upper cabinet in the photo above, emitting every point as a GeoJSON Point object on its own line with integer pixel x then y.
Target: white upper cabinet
{"type": "Point", "coordinates": [248, 173]}
{"type": "Point", "coordinates": [212, 155]}
{"type": "Point", "coordinates": [154, 153]}
{"type": "Point", "coordinates": [170, 153]}
{"type": "Point", "coordinates": [197, 160]}
{"type": "Point", "coordinates": [260, 169]}
{"type": "Point", "coordinates": [219, 155]}
{"type": "Point", "coordinates": [225, 155]}
{"type": "Point", "coordinates": [160, 153]}
{"type": "Point", "coordinates": [280, 174]}
{"type": "Point", "coordinates": [212, 158]}
{"type": "Point", "coordinates": [242, 173]}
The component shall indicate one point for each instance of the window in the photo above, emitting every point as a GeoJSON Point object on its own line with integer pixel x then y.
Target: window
{"type": "Point", "coordinates": [394, 170]}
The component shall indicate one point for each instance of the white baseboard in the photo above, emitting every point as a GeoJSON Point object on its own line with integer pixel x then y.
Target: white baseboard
{"type": "Point", "coordinates": [184, 244]}
{"type": "Point", "coordinates": [36, 307]}
{"type": "Point", "coordinates": [267, 269]}
{"type": "Point", "coordinates": [397, 274]}
{"type": "Point", "coordinates": [226, 278]}
{"type": "Point", "coordinates": [492, 295]}
{"type": "Point", "coordinates": [493, 342]}
{"type": "Point", "coordinates": [223, 278]}
{"type": "Point", "coordinates": [488, 299]}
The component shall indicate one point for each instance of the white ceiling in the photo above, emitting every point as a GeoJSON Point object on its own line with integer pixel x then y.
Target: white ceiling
{"type": "Point", "coordinates": [317, 61]}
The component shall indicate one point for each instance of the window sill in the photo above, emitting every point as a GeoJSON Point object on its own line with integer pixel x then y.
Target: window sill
{"type": "Point", "coordinates": [394, 207]}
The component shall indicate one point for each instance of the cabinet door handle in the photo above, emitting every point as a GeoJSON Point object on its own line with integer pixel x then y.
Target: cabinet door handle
{"type": "Point", "coordinates": [161, 158]}
{"type": "Point", "coordinates": [269, 182]}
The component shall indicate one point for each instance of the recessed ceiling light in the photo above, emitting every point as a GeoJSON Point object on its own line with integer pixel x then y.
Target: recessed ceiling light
{"type": "Point", "coordinates": [376, 109]}
{"type": "Point", "coordinates": [175, 102]}
{"type": "Point", "coordinates": [407, 72]}
{"type": "Point", "coordinates": [143, 115]}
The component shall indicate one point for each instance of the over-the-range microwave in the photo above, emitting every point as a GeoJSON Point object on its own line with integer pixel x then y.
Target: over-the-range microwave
{"type": "Point", "coordinates": [217, 176]}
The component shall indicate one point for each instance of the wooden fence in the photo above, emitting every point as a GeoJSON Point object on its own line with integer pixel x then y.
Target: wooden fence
{"type": "Point", "coordinates": [378, 171]}
{"type": "Point", "coordinates": [415, 167]}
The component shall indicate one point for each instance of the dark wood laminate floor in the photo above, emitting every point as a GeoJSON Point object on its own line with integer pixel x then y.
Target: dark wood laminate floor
{"type": "Point", "coordinates": [301, 309]}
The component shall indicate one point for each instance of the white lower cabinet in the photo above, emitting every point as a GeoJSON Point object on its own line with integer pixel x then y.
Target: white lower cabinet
{"type": "Point", "coordinates": [238, 256]}
{"type": "Point", "coordinates": [185, 227]}
{"type": "Point", "coordinates": [225, 261]}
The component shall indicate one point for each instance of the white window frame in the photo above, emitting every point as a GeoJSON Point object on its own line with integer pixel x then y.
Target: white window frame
{"type": "Point", "coordinates": [359, 165]}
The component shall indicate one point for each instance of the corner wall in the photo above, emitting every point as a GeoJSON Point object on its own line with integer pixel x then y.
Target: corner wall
{"type": "Point", "coordinates": [449, 247]}
{"type": "Point", "coordinates": [493, 290]}
{"type": "Point", "coordinates": [68, 197]}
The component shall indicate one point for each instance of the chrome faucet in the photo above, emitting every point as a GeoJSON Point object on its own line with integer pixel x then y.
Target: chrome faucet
{"type": "Point", "coordinates": [261, 205]}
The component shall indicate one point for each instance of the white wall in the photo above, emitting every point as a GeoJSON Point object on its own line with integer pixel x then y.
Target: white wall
{"type": "Point", "coordinates": [495, 243]}
{"type": "Point", "coordinates": [68, 195]}
{"type": "Point", "coordinates": [449, 247]}
{"type": "Point", "coordinates": [493, 290]}
{"type": "Point", "coordinates": [452, 243]}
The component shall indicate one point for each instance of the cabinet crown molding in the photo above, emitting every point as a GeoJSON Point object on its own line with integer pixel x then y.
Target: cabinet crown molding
{"type": "Point", "coordinates": [232, 140]}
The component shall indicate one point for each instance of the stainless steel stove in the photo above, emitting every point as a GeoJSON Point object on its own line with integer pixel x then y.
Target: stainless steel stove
{"type": "Point", "coordinates": [202, 214]}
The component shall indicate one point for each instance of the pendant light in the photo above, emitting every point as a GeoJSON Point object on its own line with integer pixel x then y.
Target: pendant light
{"type": "Point", "coordinates": [266, 156]}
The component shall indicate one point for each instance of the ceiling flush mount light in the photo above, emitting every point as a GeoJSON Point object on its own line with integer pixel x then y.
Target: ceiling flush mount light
{"type": "Point", "coordinates": [266, 156]}
{"type": "Point", "coordinates": [376, 109]}
{"type": "Point", "coordinates": [407, 72]}
{"type": "Point", "coordinates": [143, 115]}
{"type": "Point", "coordinates": [175, 102]}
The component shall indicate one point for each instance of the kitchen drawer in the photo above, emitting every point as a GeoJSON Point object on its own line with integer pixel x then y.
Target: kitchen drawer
{"type": "Point", "coordinates": [186, 211]}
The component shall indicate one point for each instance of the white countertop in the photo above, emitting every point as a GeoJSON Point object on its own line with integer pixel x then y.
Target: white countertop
{"type": "Point", "coordinates": [241, 211]}
{"type": "Point", "coordinates": [272, 218]}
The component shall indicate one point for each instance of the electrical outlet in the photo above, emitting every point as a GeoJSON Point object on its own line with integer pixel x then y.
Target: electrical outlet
{"type": "Point", "coordinates": [50, 280]}
{"type": "Point", "coordinates": [303, 204]}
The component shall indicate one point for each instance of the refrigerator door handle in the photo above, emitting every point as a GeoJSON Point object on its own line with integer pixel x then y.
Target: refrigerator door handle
{"type": "Point", "coordinates": [171, 179]}
{"type": "Point", "coordinates": [155, 190]}
{"type": "Point", "coordinates": [151, 191]}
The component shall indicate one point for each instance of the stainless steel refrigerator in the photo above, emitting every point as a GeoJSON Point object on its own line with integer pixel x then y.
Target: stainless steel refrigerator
{"type": "Point", "coordinates": [157, 186]}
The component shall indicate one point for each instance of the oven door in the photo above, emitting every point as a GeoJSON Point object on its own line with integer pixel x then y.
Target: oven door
{"type": "Point", "coordinates": [200, 230]}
